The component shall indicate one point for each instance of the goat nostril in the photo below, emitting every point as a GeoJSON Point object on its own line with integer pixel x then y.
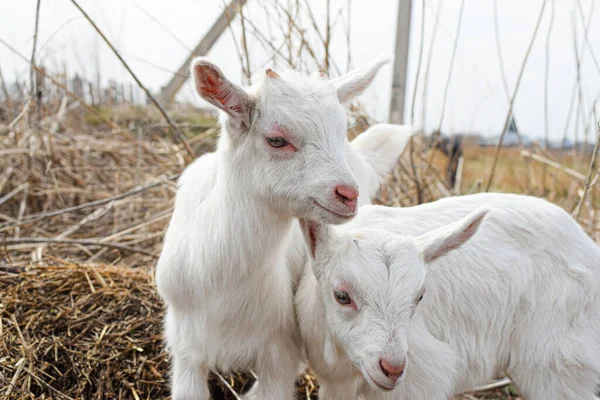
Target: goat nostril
{"type": "Point", "coordinates": [392, 371]}
{"type": "Point", "coordinates": [346, 193]}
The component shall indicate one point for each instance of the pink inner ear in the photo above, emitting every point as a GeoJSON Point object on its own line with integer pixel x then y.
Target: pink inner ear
{"type": "Point", "coordinates": [209, 84]}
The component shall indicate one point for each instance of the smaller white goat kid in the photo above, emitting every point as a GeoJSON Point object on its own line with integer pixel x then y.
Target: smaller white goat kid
{"type": "Point", "coordinates": [430, 301]}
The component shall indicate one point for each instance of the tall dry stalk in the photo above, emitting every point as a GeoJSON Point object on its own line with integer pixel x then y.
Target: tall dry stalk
{"type": "Point", "coordinates": [327, 38]}
{"type": "Point", "coordinates": [35, 93]}
{"type": "Point", "coordinates": [245, 45]}
{"type": "Point", "coordinates": [414, 98]}
{"type": "Point", "coordinates": [588, 179]}
{"type": "Point", "coordinates": [512, 100]}
{"type": "Point", "coordinates": [449, 78]}
{"type": "Point", "coordinates": [436, 24]}
{"type": "Point", "coordinates": [499, 51]}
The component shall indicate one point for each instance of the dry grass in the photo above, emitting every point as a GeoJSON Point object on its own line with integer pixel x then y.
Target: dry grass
{"type": "Point", "coordinates": [79, 316]}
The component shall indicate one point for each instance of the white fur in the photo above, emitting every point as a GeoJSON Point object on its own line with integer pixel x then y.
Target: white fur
{"type": "Point", "coordinates": [521, 296]}
{"type": "Point", "coordinates": [227, 270]}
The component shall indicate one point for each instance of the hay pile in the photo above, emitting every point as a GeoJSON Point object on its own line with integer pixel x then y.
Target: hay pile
{"type": "Point", "coordinates": [81, 332]}
{"type": "Point", "coordinates": [94, 332]}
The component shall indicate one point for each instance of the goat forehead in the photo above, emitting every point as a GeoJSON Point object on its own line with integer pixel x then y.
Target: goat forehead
{"type": "Point", "coordinates": [383, 269]}
{"type": "Point", "coordinates": [309, 106]}
{"type": "Point", "coordinates": [293, 87]}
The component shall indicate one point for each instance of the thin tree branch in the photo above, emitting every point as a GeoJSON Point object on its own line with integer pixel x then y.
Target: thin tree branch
{"type": "Point", "coordinates": [169, 32]}
{"type": "Point", "coordinates": [512, 100]}
{"type": "Point", "coordinates": [546, 77]}
{"type": "Point", "coordinates": [175, 132]}
{"type": "Point", "coordinates": [29, 240]}
{"type": "Point", "coordinates": [499, 50]}
{"type": "Point", "coordinates": [349, 60]}
{"type": "Point", "coordinates": [327, 38]}
{"type": "Point", "coordinates": [245, 44]}
{"type": "Point", "coordinates": [36, 217]}
{"type": "Point", "coordinates": [7, 98]}
{"type": "Point", "coordinates": [579, 114]}
{"type": "Point", "coordinates": [32, 77]}
{"type": "Point", "coordinates": [588, 179]}
{"type": "Point", "coordinates": [458, 24]}
{"type": "Point", "coordinates": [414, 99]}
{"type": "Point", "coordinates": [586, 29]}
{"type": "Point", "coordinates": [35, 90]}
{"type": "Point", "coordinates": [426, 77]}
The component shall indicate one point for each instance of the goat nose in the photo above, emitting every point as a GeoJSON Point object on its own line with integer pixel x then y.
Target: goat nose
{"type": "Point", "coordinates": [391, 370]}
{"type": "Point", "coordinates": [347, 195]}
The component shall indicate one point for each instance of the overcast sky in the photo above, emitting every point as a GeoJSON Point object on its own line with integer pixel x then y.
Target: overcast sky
{"type": "Point", "coordinates": [477, 100]}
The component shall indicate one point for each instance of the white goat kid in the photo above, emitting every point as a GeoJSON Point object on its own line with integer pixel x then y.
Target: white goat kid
{"type": "Point", "coordinates": [224, 271]}
{"type": "Point", "coordinates": [521, 296]}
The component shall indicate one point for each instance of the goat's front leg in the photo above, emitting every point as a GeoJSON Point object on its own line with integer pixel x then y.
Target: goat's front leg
{"type": "Point", "coordinates": [276, 368]}
{"type": "Point", "coordinates": [189, 380]}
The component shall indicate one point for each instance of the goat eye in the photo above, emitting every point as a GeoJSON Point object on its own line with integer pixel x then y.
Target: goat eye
{"type": "Point", "coordinates": [342, 297]}
{"type": "Point", "coordinates": [277, 142]}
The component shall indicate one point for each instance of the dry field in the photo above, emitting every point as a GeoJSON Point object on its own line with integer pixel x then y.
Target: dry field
{"type": "Point", "coordinates": [83, 208]}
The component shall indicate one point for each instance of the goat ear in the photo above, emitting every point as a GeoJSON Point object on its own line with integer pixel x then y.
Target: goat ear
{"type": "Point", "coordinates": [355, 82]}
{"type": "Point", "coordinates": [440, 241]}
{"type": "Point", "coordinates": [316, 235]}
{"type": "Point", "coordinates": [213, 87]}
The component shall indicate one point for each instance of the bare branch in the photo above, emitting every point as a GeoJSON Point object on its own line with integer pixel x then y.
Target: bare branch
{"type": "Point", "coordinates": [414, 99]}
{"type": "Point", "coordinates": [512, 100]}
{"type": "Point", "coordinates": [588, 179]}
{"type": "Point", "coordinates": [499, 50]}
{"type": "Point", "coordinates": [169, 32]}
{"type": "Point", "coordinates": [29, 240]}
{"type": "Point", "coordinates": [458, 24]}
{"type": "Point", "coordinates": [177, 135]}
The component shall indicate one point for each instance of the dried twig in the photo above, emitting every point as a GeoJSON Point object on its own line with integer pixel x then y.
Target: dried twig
{"type": "Point", "coordinates": [494, 385]}
{"type": "Point", "coordinates": [36, 217]}
{"type": "Point", "coordinates": [499, 51]}
{"type": "Point", "coordinates": [167, 30]}
{"type": "Point", "coordinates": [245, 43]}
{"type": "Point", "coordinates": [227, 385]}
{"type": "Point", "coordinates": [175, 132]}
{"type": "Point", "coordinates": [588, 179]}
{"type": "Point", "coordinates": [569, 171]}
{"type": "Point", "coordinates": [30, 240]}
{"type": "Point", "coordinates": [546, 78]}
{"type": "Point", "coordinates": [20, 365]}
{"type": "Point", "coordinates": [414, 99]}
{"type": "Point", "coordinates": [512, 100]}
{"type": "Point", "coordinates": [32, 79]}
{"type": "Point", "coordinates": [429, 57]}
{"type": "Point", "coordinates": [327, 37]}
{"type": "Point", "coordinates": [445, 96]}
{"type": "Point", "coordinates": [7, 98]}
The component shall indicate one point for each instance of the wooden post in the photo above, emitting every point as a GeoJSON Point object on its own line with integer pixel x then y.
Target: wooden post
{"type": "Point", "coordinates": [400, 62]}
{"type": "Point", "coordinates": [169, 91]}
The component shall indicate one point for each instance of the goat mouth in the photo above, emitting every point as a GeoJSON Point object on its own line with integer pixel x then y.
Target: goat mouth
{"type": "Point", "coordinates": [380, 386]}
{"type": "Point", "coordinates": [344, 216]}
